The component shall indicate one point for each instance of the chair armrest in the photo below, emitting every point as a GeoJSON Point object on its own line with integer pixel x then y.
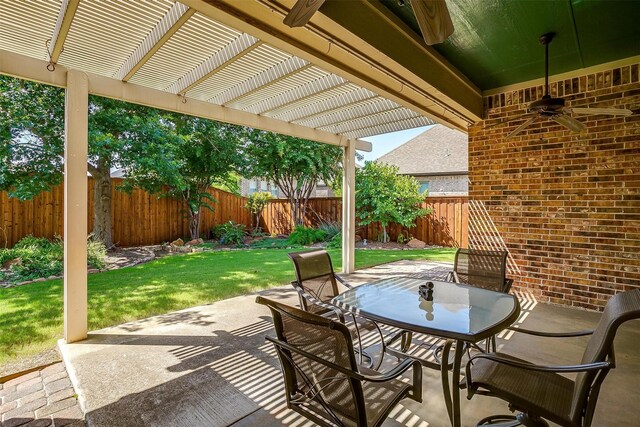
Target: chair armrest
{"type": "Point", "coordinates": [343, 282]}
{"type": "Point", "coordinates": [315, 301]}
{"type": "Point", "coordinates": [551, 334]}
{"type": "Point", "coordinates": [541, 368]}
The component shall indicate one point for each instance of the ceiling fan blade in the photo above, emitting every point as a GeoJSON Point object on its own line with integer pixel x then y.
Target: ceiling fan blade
{"type": "Point", "coordinates": [301, 12]}
{"type": "Point", "coordinates": [502, 122]}
{"type": "Point", "coordinates": [433, 19]}
{"type": "Point", "coordinates": [569, 122]}
{"type": "Point", "coordinates": [520, 128]}
{"type": "Point", "coordinates": [603, 111]}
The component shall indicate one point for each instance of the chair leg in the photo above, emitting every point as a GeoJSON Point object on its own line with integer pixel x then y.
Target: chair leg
{"type": "Point", "coordinates": [520, 419]}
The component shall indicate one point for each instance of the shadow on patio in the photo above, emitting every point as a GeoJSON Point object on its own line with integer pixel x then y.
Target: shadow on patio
{"type": "Point", "coordinates": [211, 366]}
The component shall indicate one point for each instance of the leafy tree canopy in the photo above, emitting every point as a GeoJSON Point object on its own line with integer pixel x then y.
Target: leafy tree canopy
{"type": "Point", "coordinates": [295, 165]}
{"type": "Point", "coordinates": [384, 196]}
{"type": "Point", "coordinates": [197, 154]}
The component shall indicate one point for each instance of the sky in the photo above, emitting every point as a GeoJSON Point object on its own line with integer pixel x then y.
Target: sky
{"type": "Point", "coordinates": [382, 144]}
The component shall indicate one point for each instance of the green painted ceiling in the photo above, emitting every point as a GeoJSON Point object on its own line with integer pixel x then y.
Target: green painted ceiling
{"type": "Point", "coordinates": [495, 42]}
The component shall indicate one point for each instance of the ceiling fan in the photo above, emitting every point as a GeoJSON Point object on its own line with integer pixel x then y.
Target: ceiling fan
{"type": "Point", "coordinates": [432, 16]}
{"type": "Point", "coordinates": [554, 108]}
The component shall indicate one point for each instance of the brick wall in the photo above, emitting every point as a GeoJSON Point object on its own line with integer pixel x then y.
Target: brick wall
{"type": "Point", "coordinates": [566, 205]}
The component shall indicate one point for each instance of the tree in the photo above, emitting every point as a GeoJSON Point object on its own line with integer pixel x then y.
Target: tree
{"type": "Point", "coordinates": [32, 145]}
{"type": "Point", "coordinates": [295, 165]}
{"type": "Point", "coordinates": [255, 203]}
{"type": "Point", "coordinates": [198, 155]}
{"type": "Point", "coordinates": [384, 196]}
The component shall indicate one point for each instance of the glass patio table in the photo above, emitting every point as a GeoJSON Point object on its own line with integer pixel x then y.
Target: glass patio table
{"type": "Point", "coordinates": [459, 313]}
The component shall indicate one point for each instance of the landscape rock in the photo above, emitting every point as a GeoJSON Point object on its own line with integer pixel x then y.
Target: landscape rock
{"type": "Point", "coordinates": [9, 263]}
{"type": "Point", "coordinates": [416, 244]}
{"type": "Point", "coordinates": [193, 242]}
{"type": "Point", "coordinates": [177, 242]}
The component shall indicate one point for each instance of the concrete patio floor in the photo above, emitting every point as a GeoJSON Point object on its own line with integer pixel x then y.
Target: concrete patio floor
{"type": "Point", "coordinates": [210, 366]}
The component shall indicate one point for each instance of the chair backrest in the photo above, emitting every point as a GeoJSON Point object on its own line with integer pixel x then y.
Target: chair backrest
{"type": "Point", "coordinates": [620, 308]}
{"type": "Point", "coordinates": [314, 273]}
{"type": "Point", "coordinates": [483, 268]}
{"type": "Point", "coordinates": [335, 395]}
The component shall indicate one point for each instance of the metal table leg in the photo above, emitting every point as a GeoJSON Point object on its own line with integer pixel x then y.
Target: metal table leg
{"type": "Point", "coordinates": [452, 390]}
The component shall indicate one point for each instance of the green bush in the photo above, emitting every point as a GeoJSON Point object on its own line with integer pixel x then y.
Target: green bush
{"type": "Point", "coordinates": [229, 233]}
{"type": "Point", "coordinates": [306, 236]}
{"type": "Point", "coordinates": [332, 228]}
{"type": "Point", "coordinates": [40, 257]}
{"type": "Point", "coordinates": [335, 242]}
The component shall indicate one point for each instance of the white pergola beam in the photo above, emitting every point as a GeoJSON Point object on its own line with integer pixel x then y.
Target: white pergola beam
{"type": "Point", "coordinates": [349, 208]}
{"type": "Point", "coordinates": [75, 205]}
{"type": "Point", "coordinates": [63, 24]}
{"type": "Point", "coordinates": [166, 27]}
{"type": "Point", "coordinates": [33, 69]}
{"type": "Point", "coordinates": [216, 62]}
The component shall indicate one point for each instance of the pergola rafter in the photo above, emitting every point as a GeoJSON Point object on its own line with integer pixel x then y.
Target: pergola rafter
{"type": "Point", "coordinates": [63, 24]}
{"type": "Point", "coordinates": [168, 25]}
{"type": "Point", "coordinates": [262, 81]}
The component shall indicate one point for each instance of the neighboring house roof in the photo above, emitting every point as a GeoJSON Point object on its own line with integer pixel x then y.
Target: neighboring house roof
{"type": "Point", "coordinates": [436, 151]}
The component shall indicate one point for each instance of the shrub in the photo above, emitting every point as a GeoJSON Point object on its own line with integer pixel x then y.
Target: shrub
{"type": "Point", "coordinates": [40, 257]}
{"type": "Point", "coordinates": [306, 236]}
{"type": "Point", "coordinates": [255, 203]}
{"type": "Point", "coordinates": [332, 228]}
{"type": "Point", "coordinates": [229, 233]}
{"type": "Point", "coordinates": [335, 242]}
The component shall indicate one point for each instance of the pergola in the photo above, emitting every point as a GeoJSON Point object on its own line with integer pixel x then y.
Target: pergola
{"type": "Point", "coordinates": [228, 61]}
{"type": "Point", "coordinates": [359, 68]}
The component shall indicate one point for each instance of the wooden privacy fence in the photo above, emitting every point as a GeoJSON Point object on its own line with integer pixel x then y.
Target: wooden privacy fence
{"type": "Point", "coordinates": [139, 218]}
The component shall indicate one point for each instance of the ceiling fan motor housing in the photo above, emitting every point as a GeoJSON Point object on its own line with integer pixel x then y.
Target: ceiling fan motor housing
{"type": "Point", "coordinates": [547, 106]}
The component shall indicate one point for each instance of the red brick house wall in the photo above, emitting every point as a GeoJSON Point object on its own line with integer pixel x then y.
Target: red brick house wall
{"type": "Point", "coordinates": [566, 205]}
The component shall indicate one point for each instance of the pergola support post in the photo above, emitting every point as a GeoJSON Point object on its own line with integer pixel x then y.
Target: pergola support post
{"type": "Point", "coordinates": [75, 206]}
{"type": "Point", "coordinates": [349, 207]}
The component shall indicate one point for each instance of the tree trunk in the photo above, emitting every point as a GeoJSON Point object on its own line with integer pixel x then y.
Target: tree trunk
{"type": "Point", "coordinates": [102, 203]}
{"type": "Point", "coordinates": [194, 224]}
{"type": "Point", "coordinates": [384, 233]}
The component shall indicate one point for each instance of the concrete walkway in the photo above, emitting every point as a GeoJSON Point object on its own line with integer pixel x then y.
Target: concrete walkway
{"type": "Point", "coordinates": [40, 399]}
{"type": "Point", "coordinates": [210, 366]}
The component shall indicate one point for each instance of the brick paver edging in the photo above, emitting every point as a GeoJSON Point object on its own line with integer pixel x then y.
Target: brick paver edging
{"type": "Point", "coordinates": [43, 398]}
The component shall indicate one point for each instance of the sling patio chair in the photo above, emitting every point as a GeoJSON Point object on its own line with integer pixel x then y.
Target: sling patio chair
{"type": "Point", "coordinates": [322, 380]}
{"type": "Point", "coordinates": [317, 284]}
{"type": "Point", "coordinates": [542, 393]}
{"type": "Point", "coordinates": [485, 269]}
{"type": "Point", "coordinates": [482, 268]}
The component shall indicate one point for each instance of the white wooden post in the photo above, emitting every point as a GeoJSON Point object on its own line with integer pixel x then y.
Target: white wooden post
{"type": "Point", "coordinates": [75, 206]}
{"type": "Point", "coordinates": [349, 208]}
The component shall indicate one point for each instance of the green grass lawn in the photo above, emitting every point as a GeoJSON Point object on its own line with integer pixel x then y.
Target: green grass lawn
{"type": "Point", "coordinates": [31, 315]}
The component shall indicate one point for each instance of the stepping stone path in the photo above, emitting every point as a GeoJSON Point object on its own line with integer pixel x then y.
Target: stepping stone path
{"type": "Point", "coordinates": [42, 398]}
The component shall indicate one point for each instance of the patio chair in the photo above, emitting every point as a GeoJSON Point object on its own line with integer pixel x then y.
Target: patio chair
{"type": "Point", "coordinates": [541, 392]}
{"type": "Point", "coordinates": [322, 380]}
{"type": "Point", "coordinates": [483, 268]}
{"type": "Point", "coordinates": [317, 284]}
